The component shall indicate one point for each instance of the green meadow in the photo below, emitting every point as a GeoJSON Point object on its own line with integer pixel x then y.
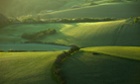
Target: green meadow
{"type": "Point", "coordinates": [27, 67]}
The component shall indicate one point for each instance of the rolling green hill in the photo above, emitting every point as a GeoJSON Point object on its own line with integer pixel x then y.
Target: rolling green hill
{"type": "Point", "coordinates": [103, 65]}
{"type": "Point", "coordinates": [86, 68]}
{"type": "Point", "coordinates": [119, 32]}
{"type": "Point", "coordinates": [27, 67]}
{"type": "Point", "coordinates": [117, 10]}
{"type": "Point", "coordinates": [17, 8]}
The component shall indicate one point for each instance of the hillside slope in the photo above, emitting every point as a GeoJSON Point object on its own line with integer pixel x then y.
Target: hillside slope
{"type": "Point", "coordinates": [27, 67]}
{"type": "Point", "coordinates": [86, 68]}
{"type": "Point", "coordinates": [119, 32]}
{"type": "Point", "coordinates": [117, 10]}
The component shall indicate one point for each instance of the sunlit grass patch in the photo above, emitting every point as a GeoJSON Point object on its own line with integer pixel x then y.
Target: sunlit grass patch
{"type": "Point", "coordinates": [27, 67]}
{"type": "Point", "coordinates": [129, 52]}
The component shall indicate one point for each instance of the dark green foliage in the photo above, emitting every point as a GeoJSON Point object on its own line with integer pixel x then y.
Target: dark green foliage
{"type": "Point", "coordinates": [38, 35]}
{"type": "Point", "coordinates": [73, 49]}
{"type": "Point", "coordinates": [74, 20]}
{"type": "Point", "coordinates": [57, 68]}
{"type": "Point", "coordinates": [58, 20]}
{"type": "Point", "coordinates": [137, 20]}
{"type": "Point", "coordinates": [57, 71]}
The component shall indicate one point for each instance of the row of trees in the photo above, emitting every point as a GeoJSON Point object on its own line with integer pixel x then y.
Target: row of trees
{"type": "Point", "coordinates": [31, 19]}
{"type": "Point", "coordinates": [38, 35]}
{"type": "Point", "coordinates": [74, 20]}
{"type": "Point", "coordinates": [57, 67]}
{"type": "Point", "coordinates": [137, 20]}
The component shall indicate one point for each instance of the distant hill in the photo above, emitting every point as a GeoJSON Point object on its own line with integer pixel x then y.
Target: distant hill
{"type": "Point", "coordinates": [16, 8]}
{"type": "Point", "coordinates": [117, 10]}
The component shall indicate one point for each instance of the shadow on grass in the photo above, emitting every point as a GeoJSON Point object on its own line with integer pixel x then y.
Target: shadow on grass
{"type": "Point", "coordinates": [85, 68]}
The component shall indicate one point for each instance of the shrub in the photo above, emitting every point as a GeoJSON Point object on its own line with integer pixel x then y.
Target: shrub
{"type": "Point", "coordinates": [137, 20]}
{"type": "Point", "coordinates": [58, 62]}
{"type": "Point", "coordinates": [25, 18]}
{"type": "Point", "coordinates": [73, 49]}
{"type": "Point", "coordinates": [38, 35]}
{"type": "Point", "coordinates": [61, 57]}
{"type": "Point", "coordinates": [57, 68]}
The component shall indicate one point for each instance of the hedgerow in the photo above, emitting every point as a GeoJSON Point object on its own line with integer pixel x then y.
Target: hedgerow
{"type": "Point", "coordinates": [57, 66]}
{"type": "Point", "coordinates": [38, 35]}
{"type": "Point", "coordinates": [30, 19]}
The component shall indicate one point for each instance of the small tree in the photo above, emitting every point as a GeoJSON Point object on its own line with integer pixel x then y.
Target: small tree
{"type": "Point", "coordinates": [74, 48]}
{"type": "Point", "coordinates": [136, 20]}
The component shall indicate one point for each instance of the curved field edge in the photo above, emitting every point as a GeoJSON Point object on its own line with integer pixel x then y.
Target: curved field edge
{"type": "Point", "coordinates": [57, 71]}
{"type": "Point", "coordinates": [129, 52]}
{"type": "Point", "coordinates": [27, 67]}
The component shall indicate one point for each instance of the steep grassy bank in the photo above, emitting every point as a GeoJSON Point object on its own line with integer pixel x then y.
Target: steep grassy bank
{"type": "Point", "coordinates": [27, 67]}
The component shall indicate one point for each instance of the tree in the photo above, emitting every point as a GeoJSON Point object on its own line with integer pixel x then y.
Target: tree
{"type": "Point", "coordinates": [74, 48]}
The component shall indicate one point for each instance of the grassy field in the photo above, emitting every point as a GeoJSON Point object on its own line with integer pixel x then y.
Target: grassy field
{"type": "Point", "coordinates": [86, 68]}
{"type": "Point", "coordinates": [130, 52]}
{"type": "Point", "coordinates": [110, 52]}
{"type": "Point", "coordinates": [27, 67]}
